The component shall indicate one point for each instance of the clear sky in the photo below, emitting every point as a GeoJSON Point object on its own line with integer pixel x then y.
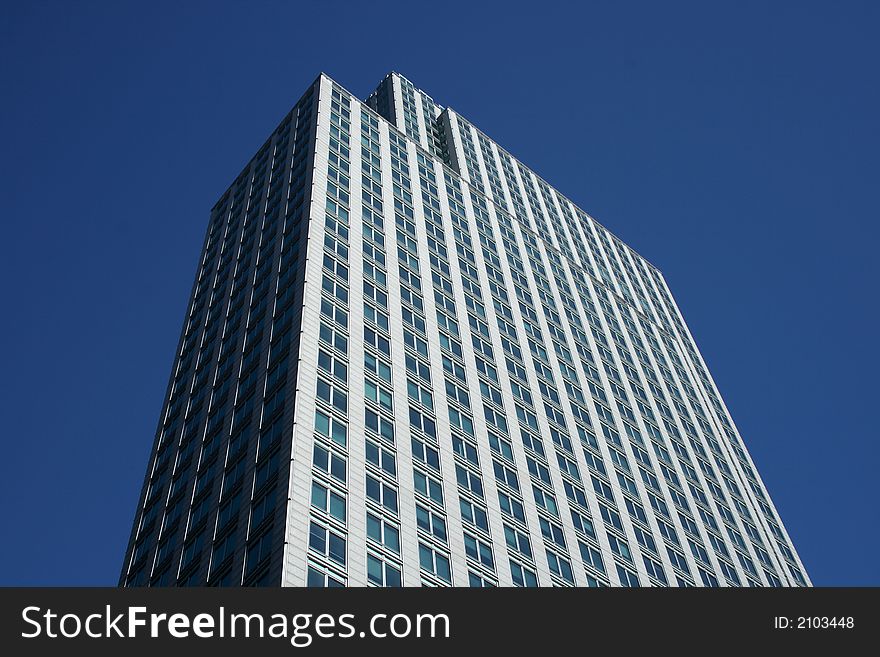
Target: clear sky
{"type": "Point", "coordinates": [734, 145]}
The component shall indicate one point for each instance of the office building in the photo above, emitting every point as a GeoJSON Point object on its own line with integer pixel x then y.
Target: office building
{"type": "Point", "coordinates": [409, 360]}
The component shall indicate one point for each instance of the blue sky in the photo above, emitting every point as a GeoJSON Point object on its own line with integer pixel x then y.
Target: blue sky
{"type": "Point", "coordinates": [735, 146]}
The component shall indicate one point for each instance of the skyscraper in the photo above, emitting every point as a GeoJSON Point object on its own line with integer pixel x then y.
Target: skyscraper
{"type": "Point", "coordinates": [408, 360]}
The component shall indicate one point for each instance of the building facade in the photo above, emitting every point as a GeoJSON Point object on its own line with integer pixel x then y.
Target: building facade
{"type": "Point", "coordinates": [408, 360]}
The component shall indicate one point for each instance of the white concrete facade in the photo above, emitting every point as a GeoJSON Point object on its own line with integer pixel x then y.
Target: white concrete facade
{"type": "Point", "coordinates": [585, 340]}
